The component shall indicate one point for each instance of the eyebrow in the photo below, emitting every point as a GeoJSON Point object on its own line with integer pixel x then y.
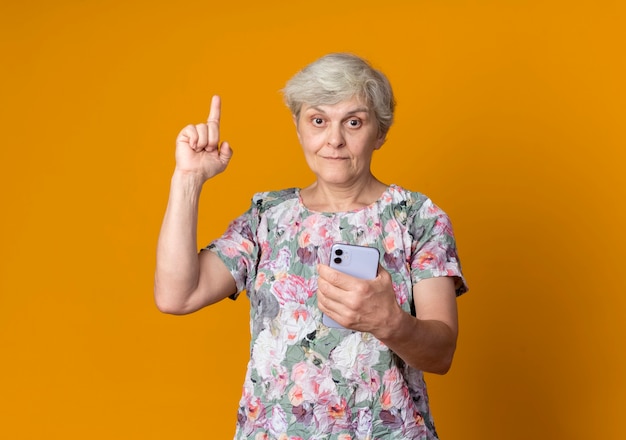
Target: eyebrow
{"type": "Point", "coordinates": [351, 112]}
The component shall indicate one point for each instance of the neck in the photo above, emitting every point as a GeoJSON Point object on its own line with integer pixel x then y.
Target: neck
{"type": "Point", "coordinates": [326, 197]}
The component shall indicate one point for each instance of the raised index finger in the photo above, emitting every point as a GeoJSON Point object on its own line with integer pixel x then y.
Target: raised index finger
{"type": "Point", "coordinates": [216, 109]}
{"type": "Point", "coordinates": [213, 124]}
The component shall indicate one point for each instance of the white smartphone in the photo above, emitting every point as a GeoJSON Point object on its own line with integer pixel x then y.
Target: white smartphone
{"type": "Point", "coordinates": [357, 261]}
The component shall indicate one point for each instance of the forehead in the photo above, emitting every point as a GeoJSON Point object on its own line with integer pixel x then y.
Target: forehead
{"type": "Point", "coordinates": [352, 105]}
{"type": "Point", "coordinates": [339, 109]}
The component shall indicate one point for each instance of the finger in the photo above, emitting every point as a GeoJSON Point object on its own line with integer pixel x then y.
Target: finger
{"type": "Point", "coordinates": [330, 291]}
{"type": "Point", "coordinates": [325, 299]}
{"type": "Point", "coordinates": [189, 135]}
{"type": "Point", "coordinates": [333, 306]}
{"type": "Point", "coordinates": [225, 152]}
{"type": "Point", "coordinates": [213, 123]}
{"type": "Point", "coordinates": [335, 277]}
{"type": "Point", "coordinates": [216, 109]}
{"type": "Point", "coordinates": [202, 136]}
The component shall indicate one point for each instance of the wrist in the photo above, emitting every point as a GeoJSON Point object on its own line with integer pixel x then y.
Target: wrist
{"type": "Point", "coordinates": [188, 178]}
{"type": "Point", "coordinates": [186, 186]}
{"type": "Point", "coordinates": [395, 324]}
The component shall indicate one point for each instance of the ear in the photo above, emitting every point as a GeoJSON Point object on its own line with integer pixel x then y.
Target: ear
{"type": "Point", "coordinates": [294, 118]}
{"type": "Point", "coordinates": [380, 141]}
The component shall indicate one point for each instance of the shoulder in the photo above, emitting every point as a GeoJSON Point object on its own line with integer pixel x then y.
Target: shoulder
{"type": "Point", "coordinates": [413, 202]}
{"type": "Point", "coordinates": [417, 211]}
{"type": "Point", "coordinates": [262, 201]}
{"type": "Point", "coordinates": [402, 196]}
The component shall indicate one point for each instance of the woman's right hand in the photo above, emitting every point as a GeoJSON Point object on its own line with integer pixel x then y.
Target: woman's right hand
{"type": "Point", "coordinates": [198, 149]}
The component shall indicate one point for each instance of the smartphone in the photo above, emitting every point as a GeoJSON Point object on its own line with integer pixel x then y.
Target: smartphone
{"type": "Point", "coordinates": [357, 261]}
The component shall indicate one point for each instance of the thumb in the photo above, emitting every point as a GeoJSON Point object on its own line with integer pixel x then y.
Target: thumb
{"type": "Point", "coordinates": [225, 152]}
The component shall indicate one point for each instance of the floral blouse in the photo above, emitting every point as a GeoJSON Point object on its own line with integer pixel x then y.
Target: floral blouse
{"type": "Point", "coordinates": [308, 381]}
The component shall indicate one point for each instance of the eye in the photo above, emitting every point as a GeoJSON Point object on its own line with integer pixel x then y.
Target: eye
{"type": "Point", "coordinates": [354, 123]}
{"type": "Point", "coordinates": [317, 121]}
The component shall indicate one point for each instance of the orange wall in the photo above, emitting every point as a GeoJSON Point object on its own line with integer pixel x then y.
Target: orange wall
{"type": "Point", "coordinates": [510, 116]}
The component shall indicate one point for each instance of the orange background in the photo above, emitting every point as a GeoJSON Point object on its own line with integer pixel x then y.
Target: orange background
{"type": "Point", "coordinates": [510, 116]}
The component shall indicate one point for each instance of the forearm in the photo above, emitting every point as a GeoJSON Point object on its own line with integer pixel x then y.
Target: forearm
{"type": "Point", "coordinates": [177, 265]}
{"type": "Point", "coordinates": [427, 345]}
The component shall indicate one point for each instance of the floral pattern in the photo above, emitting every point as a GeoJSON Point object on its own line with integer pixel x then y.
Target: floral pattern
{"type": "Point", "coordinates": [305, 380]}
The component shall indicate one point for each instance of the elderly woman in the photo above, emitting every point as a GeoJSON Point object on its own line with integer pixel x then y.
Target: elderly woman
{"type": "Point", "coordinates": [306, 380]}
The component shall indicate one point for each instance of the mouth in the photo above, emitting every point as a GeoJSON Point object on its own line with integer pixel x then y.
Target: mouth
{"type": "Point", "coordinates": [334, 158]}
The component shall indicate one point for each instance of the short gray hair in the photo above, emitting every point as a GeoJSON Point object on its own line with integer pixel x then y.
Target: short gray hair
{"type": "Point", "coordinates": [338, 77]}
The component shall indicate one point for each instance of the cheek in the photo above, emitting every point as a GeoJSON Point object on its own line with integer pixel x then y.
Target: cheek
{"type": "Point", "coordinates": [308, 141]}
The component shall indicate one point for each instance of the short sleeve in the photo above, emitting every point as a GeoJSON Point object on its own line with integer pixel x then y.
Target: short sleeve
{"type": "Point", "coordinates": [238, 249]}
{"type": "Point", "coordinates": [434, 252]}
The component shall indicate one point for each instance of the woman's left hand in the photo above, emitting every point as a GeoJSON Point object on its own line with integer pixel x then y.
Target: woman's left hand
{"type": "Point", "coordinates": [357, 304]}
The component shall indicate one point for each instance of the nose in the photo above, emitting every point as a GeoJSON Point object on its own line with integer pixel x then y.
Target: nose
{"type": "Point", "coordinates": [335, 138]}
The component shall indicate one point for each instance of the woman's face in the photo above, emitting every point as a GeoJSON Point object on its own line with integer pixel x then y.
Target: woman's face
{"type": "Point", "coordinates": [338, 140]}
